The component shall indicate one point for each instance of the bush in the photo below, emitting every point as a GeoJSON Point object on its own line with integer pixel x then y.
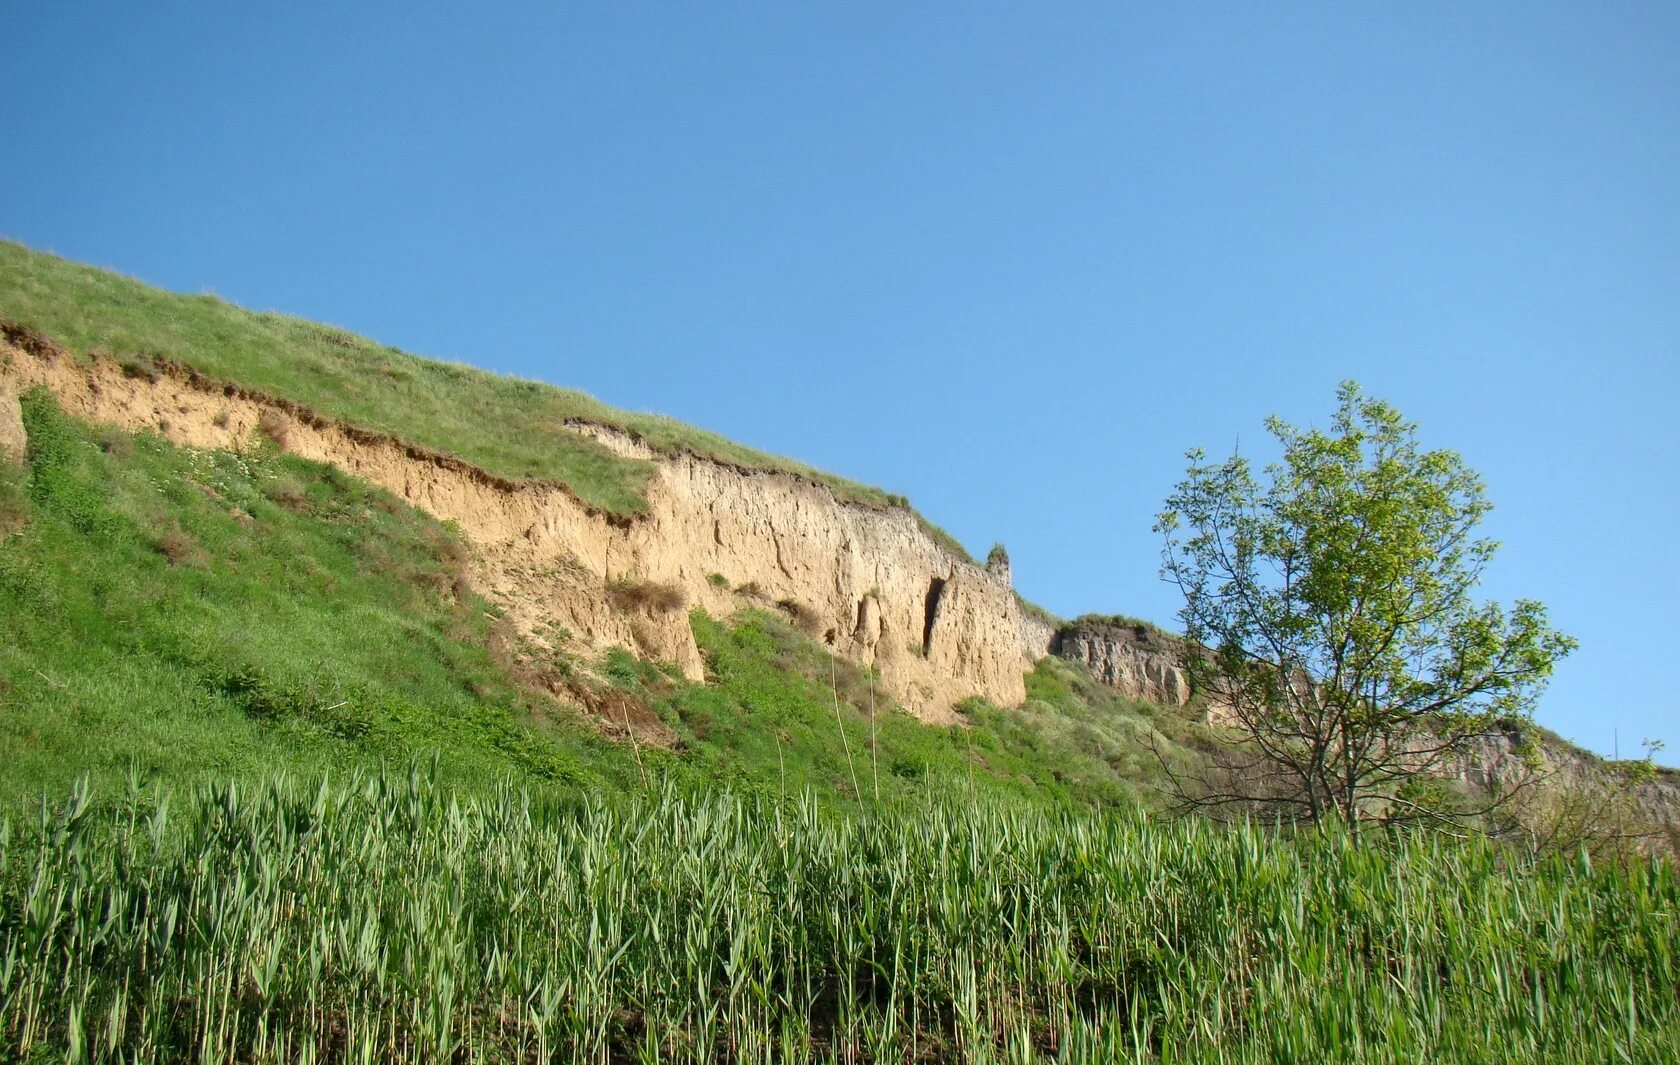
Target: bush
{"type": "Point", "coordinates": [803, 616]}
{"type": "Point", "coordinates": [289, 493]}
{"type": "Point", "coordinates": [177, 545]}
{"type": "Point", "coordinates": [273, 425]}
{"type": "Point", "coordinates": [628, 594]}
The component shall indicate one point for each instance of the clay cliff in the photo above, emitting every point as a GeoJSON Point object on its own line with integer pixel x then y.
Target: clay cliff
{"type": "Point", "coordinates": [1138, 659]}
{"type": "Point", "coordinates": [869, 582]}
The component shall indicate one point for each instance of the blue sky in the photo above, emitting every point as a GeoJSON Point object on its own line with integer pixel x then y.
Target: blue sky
{"type": "Point", "coordinates": [1009, 259]}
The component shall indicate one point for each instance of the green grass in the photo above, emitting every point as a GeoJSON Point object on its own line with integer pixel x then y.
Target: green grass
{"type": "Point", "coordinates": [770, 717]}
{"type": "Point", "coordinates": [508, 426]}
{"type": "Point", "coordinates": [385, 918]}
{"type": "Point", "coordinates": [1033, 610]}
{"type": "Point", "coordinates": [1122, 621]}
{"type": "Point", "coordinates": [192, 613]}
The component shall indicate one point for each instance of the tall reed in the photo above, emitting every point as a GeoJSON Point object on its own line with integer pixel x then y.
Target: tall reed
{"type": "Point", "coordinates": [384, 918]}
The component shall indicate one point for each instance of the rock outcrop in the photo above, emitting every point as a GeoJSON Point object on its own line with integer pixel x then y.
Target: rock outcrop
{"type": "Point", "coordinates": [1141, 661]}
{"type": "Point", "coordinates": [868, 582]}
{"type": "Point", "coordinates": [1497, 763]}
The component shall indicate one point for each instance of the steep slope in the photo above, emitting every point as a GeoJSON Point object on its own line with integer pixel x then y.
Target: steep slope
{"type": "Point", "coordinates": [870, 581]}
{"type": "Point", "coordinates": [176, 613]}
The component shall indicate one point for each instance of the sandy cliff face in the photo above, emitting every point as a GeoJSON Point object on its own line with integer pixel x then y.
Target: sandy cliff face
{"type": "Point", "coordinates": [12, 440]}
{"type": "Point", "coordinates": [1141, 662]}
{"type": "Point", "coordinates": [1495, 763]}
{"type": "Point", "coordinates": [1039, 637]}
{"type": "Point", "coordinates": [869, 583]}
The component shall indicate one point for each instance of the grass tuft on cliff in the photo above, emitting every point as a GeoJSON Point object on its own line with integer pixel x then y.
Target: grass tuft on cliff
{"type": "Point", "coordinates": [508, 426]}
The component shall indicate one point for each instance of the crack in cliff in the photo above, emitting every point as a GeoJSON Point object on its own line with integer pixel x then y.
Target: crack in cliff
{"type": "Point", "coordinates": [930, 613]}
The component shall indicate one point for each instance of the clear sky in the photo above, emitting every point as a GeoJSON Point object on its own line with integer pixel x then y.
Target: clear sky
{"type": "Point", "coordinates": [1011, 260]}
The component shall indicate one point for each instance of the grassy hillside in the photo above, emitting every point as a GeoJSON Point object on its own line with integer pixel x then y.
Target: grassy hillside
{"type": "Point", "coordinates": [508, 426]}
{"type": "Point", "coordinates": [766, 722]}
{"type": "Point", "coordinates": [183, 613]}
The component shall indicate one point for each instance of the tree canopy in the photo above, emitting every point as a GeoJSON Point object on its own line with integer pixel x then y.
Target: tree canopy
{"type": "Point", "coordinates": [1329, 601]}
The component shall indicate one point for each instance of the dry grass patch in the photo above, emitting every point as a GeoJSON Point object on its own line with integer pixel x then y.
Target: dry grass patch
{"type": "Point", "coordinates": [289, 493]}
{"type": "Point", "coordinates": [177, 545]}
{"type": "Point", "coordinates": [628, 595]}
{"type": "Point", "coordinates": [804, 617]}
{"type": "Point", "coordinates": [274, 426]}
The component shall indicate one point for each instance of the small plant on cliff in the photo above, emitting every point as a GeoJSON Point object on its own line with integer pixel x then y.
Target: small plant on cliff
{"type": "Point", "coordinates": [997, 556]}
{"type": "Point", "coordinates": [802, 615]}
{"type": "Point", "coordinates": [628, 594]}
{"type": "Point", "coordinates": [273, 425]}
{"type": "Point", "coordinates": [1334, 593]}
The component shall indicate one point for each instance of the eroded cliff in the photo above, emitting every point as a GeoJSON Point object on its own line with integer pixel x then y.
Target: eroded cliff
{"type": "Point", "coordinates": [1139, 660]}
{"type": "Point", "coordinates": [869, 582]}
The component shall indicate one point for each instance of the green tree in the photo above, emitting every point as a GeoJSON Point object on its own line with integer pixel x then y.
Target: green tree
{"type": "Point", "coordinates": [1329, 606]}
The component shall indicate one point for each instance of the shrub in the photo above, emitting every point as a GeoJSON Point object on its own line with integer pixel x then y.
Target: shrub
{"type": "Point", "coordinates": [289, 493]}
{"type": "Point", "coordinates": [140, 366]}
{"type": "Point", "coordinates": [717, 580]}
{"type": "Point", "coordinates": [177, 545]}
{"type": "Point", "coordinates": [628, 594]}
{"type": "Point", "coordinates": [116, 443]}
{"type": "Point", "coordinates": [273, 425]}
{"type": "Point", "coordinates": [800, 614]}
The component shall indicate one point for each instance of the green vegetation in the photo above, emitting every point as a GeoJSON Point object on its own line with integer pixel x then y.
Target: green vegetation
{"type": "Point", "coordinates": [191, 613]}
{"type": "Point", "coordinates": [323, 804]}
{"type": "Point", "coordinates": [188, 613]}
{"type": "Point", "coordinates": [1121, 621]}
{"type": "Point", "coordinates": [766, 723]}
{"type": "Point", "coordinates": [1033, 610]}
{"type": "Point", "coordinates": [440, 405]}
{"type": "Point", "coordinates": [385, 918]}
{"type": "Point", "coordinates": [1335, 592]}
